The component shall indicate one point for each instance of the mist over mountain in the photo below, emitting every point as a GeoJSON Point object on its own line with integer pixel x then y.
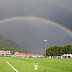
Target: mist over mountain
{"type": "Point", "coordinates": [31, 34]}
{"type": "Point", "coordinates": [10, 45]}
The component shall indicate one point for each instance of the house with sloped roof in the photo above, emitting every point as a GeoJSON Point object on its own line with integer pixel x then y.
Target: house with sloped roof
{"type": "Point", "coordinates": [38, 56]}
{"type": "Point", "coordinates": [3, 53]}
{"type": "Point", "coordinates": [17, 54]}
{"type": "Point", "coordinates": [67, 56]}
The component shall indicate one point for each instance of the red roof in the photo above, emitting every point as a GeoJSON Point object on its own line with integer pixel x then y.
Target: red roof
{"type": "Point", "coordinates": [38, 55]}
{"type": "Point", "coordinates": [29, 55]}
{"type": "Point", "coordinates": [19, 54]}
{"type": "Point", "coordinates": [0, 52]}
{"type": "Point", "coordinates": [5, 52]}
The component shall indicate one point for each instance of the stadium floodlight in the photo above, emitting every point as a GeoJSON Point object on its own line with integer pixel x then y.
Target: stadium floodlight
{"type": "Point", "coordinates": [45, 47]}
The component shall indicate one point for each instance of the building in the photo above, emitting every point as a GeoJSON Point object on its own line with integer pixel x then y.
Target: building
{"type": "Point", "coordinates": [3, 53]}
{"type": "Point", "coordinates": [37, 56]}
{"type": "Point", "coordinates": [34, 56]}
{"type": "Point", "coordinates": [17, 54]}
{"type": "Point", "coordinates": [67, 56]}
{"type": "Point", "coordinates": [29, 55]}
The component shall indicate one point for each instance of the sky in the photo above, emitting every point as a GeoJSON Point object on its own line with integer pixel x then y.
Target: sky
{"type": "Point", "coordinates": [57, 10]}
{"type": "Point", "coordinates": [31, 33]}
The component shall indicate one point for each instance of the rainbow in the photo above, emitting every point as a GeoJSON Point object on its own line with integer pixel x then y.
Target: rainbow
{"type": "Point", "coordinates": [37, 18]}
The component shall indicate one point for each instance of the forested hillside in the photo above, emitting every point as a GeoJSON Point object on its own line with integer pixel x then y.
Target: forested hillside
{"type": "Point", "coordinates": [6, 44]}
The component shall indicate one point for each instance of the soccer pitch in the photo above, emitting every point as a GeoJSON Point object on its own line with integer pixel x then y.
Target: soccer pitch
{"type": "Point", "coordinates": [27, 65]}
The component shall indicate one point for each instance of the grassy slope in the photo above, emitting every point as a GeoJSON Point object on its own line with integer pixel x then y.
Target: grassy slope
{"type": "Point", "coordinates": [46, 65]}
{"type": "Point", "coordinates": [6, 44]}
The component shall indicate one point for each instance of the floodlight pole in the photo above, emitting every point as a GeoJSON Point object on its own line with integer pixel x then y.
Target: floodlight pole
{"type": "Point", "coordinates": [45, 47]}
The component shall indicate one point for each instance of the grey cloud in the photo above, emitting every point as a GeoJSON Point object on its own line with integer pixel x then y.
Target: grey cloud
{"type": "Point", "coordinates": [31, 34]}
{"type": "Point", "coordinates": [51, 9]}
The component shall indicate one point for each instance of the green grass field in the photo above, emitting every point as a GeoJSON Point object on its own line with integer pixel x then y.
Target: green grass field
{"type": "Point", "coordinates": [26, 65]}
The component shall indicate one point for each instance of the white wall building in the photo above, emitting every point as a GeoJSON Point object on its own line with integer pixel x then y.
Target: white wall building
{"type": "Point", "coordinates": [67, 56]}
{"type": "Point", "coordinates": [2, 52]}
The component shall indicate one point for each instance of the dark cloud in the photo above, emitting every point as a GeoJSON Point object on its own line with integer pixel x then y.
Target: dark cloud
{"type": "Point", "coordinates": [56, 10]}
{"type": "Point", "coordinates": [32, 34]}
{"type": "Point", "coordinates": [62, 16]}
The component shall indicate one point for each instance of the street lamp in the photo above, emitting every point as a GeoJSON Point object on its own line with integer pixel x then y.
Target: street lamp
{"type": "Point", "coordinates": [45, 47]}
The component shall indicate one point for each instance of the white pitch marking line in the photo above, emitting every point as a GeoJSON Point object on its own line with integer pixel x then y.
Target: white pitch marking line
{"type": "Point", "coordinates": [12, 67]}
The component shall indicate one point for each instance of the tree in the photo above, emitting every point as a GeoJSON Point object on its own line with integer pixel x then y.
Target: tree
{"type": "Point", "coordinates": [59, 50]}
{"type": "Point", "coordinates": [67, 49]}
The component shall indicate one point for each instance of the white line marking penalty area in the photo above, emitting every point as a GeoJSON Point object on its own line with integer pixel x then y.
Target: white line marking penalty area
{"type": "Point", "coordinates": [12, 67]}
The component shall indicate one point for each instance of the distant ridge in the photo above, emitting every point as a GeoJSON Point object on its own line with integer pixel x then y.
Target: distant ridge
{"type": "Point", "coordinates": [31, 34]}
{"type": "Point", "coordinates": [11, 45]}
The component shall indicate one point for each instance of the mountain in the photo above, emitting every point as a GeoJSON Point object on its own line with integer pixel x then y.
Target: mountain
{"type": "Point", "coordinates": [31, 33]}
{"type": "Point", "coordinates": [10, 45]}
